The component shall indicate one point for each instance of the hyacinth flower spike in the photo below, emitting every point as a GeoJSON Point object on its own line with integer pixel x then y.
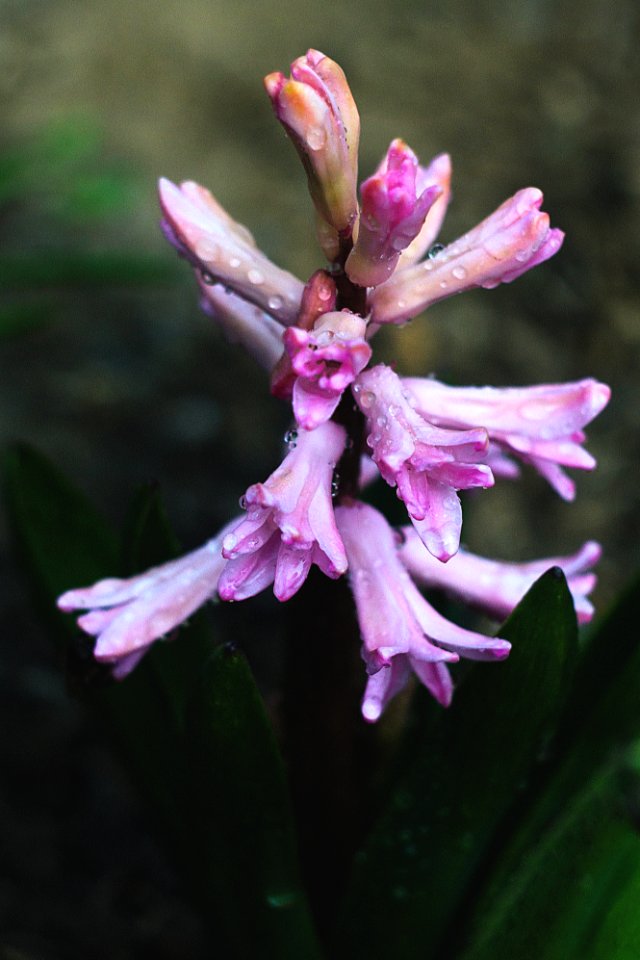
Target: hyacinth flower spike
{"type": "Point", "coordinates": [513, 239]}
{"type": "Point", "coordinates": [494, 586]}
{"type": "Point", "coordinates": [290, 522]}
{"type": "Point", "coordinates": [426, 463]}
{"type": "Point", "coordinates": [224, 251]}
{"type": "Point", "coordinates": [127, 616]}
{"type": "Point", "coordinates": [540, 425]}
{"type": "Point", "coordinates": [427, 440]}
{"type": "Point", "coordinates": [401, 632]}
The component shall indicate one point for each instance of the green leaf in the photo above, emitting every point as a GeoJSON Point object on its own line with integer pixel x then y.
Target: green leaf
{"type": "Point", "coordinates": [188, 721]}
{"type": "Point", "coordinates": [64, 542]}
{"type": "Point", "coordinates": [241, 816]}
{"type": "Point", "coordinates": [575, 891]}
{"type": "Point", "coordinates": [601, 716]}
{"type": "Point", "coordinates": [434, 843]}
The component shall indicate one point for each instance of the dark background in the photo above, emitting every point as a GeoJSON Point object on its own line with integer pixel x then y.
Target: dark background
{"type": "Point", "coordinates": [120, 380]}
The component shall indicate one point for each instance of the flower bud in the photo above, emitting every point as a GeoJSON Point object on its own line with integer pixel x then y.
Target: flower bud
{"type": "Point", "coordinates": [316, 108]}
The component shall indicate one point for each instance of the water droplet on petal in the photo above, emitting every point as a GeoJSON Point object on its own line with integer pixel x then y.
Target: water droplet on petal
{"type": "Point", "coordinates": [367, 399]}
{"type": "Point", "coordinates": [325, 337]}
{"type": "Point", "coordinates": [207, 250]}
{"type": "Point", "coordinates": [207, 277]}
{"type": "Point", "coordinates": [316, 138]}
{"type": "Point", "coordinates": [459, 273]}
{"type": "Point", "coordinates": [234, 262]}
{"type": "Point", "coordinates": [255, 277]}
{"type": "Point", "coordinates": [275, 303]}
{"type": "Point", "coordinates": [435, 250]}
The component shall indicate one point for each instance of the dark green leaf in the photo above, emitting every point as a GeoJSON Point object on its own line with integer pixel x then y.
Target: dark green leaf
{"type": "Point", "coordinates": [240, 810]}
{"type": "Point", "coordinates": [600, 718]}
{"type": "Point", "coordinates": [62, 539]}
{"type": "Point", "coordinates": [431, 848]}
{"type": "Point", "coordinates": [574, 893]}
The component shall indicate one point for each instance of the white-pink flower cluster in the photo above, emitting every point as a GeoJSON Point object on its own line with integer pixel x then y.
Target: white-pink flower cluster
{"type": "Point", "coordinates": [354, 421]}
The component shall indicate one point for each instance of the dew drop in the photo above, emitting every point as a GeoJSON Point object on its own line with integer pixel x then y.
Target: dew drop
{"type": "Point", "coordinates": [255, 277]}
{"type": "Point", "coordinates": [367, 399]}
{"type": "Point", "coordinates": [435, 250]}
{"type": "Point", "coordinates": [207, 250]}
{"type": "Point", "coordinates": [444, 284]}
{"type": "Point", "coordinates": [290, 438]}
{"type": "Point", "coordinates": [324, 293]}
{"type": "Point", "coordinates": [207, 277]}
{"type": "Point", "coordinates": [234, 262]}
{"type": "Point", "coordinates": [242, 502]}
{"type": "Point", "coordinates": [274, 303]}
{"type": "Point", "coordinates": [459, 273]}
{"type": "Point", "coordinates": [324, 338]}
{"type": "Point", "coordinates": [316, 138]}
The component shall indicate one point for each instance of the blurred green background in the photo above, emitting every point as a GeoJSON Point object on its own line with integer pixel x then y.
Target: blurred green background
{"type": "Point", "coordinates": [107, 366]}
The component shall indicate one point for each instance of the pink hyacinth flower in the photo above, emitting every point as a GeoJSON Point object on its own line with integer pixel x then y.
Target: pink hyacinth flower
{"type": "Point", "coordinates": [427, 463]}
{"type": "Point", "coordinates": [290, 522]}
{"type": "Point", "coordinates": [393, 212]}
{"type": "Point", "coordinates": [243, 323]}
{"type": "Point", "coordinates": [495, 586]}
{"type": "Point", "coordinates": [541, 425]}
{"type": "Point", "coordinates": [127, 616]}
{"type": "Point", "coordinates": [317, 109]}
{"type": "Point", "coordinates": [401, 632]}
{"type": "Point", "coordinates": [513, 239]}
{"type": "Point", "coordinates": [224, 251]}
{"type": "Point", "coordinates": [325, 361]}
